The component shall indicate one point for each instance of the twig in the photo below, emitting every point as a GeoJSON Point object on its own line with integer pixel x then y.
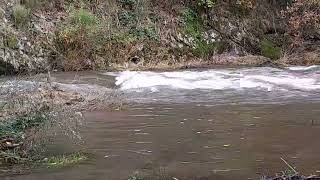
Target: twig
{"type": "Point", "coordinates": [289, 165]}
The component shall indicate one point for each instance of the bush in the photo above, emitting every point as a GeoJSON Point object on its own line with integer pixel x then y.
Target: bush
{"type": "Point", "coordinates": [205, 49]}
{"type": "Point", "coordinates": [127, 18]}
{"type": "Point", "coordinates": [145, 32]}
{"type": "Point", "coordinates": [18, 126]}
{"type": "Point", "coordinates": [21, 15]}
{"type": "Point", "coordinates": [83, 17]}
{"type": "Point", "coordinates": [81, 41]}
{"type": "Point", "coordinates": [269, 49]}
{"type": "Point", "coordinates": [11, 41]}
{"type": "Point", "coordinates": [13, 134]}
{"type": "Point", "coordinates": [206, 3]}
{"type": "Point", "coordinates": [193, 26]}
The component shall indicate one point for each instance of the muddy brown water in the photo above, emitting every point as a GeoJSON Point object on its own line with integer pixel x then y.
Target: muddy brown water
{"type": "Point", "coordinates": [241, 138]}
{"type": "Point", "coordinates": [183, 141]}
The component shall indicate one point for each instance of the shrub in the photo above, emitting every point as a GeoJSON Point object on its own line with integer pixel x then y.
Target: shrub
{"type": "Point", "coordinates": [127, 18]}
{"type": "Point", "coordinates": [124, 38]}
{"type": "Point", "coordinates": [205, 49]}
{"type": "Point", "coordinates": [269, 49]}
{"type": "Point", "coordinates": [20, 124]}
{"type": "Point", "coordinates": [83, 17]}
{"type": "Point", "coordinates": [145, 32]}
{"type": "Point", "coordinates": [193, 26]}
{"type": "Point", "coordinates": [11, 41]}
{"type": "Point", "coordinates": [206, 3]}
{"type": "Point", "coordinates": [81, 41]}
{"type": "Point", "coordinates": [13, 134]}
{"type": "Point", "coordinates": [21, 15]}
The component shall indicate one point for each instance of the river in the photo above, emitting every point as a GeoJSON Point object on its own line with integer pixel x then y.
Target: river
{"type": "Point", "coordinates": [226, 123]}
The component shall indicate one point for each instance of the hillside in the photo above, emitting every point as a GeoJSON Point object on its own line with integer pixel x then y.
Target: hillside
{"type": "Point", "coordinates": [39, 35]}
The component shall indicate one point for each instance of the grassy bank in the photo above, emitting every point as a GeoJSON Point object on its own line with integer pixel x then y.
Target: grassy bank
{"type": "Point", "coordinates": [31, 115]}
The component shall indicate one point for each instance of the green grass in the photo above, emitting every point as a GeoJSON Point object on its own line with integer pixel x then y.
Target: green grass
{"type": "Point", "coordinates": [135, 177]}
{"type": "Point", "coordinates": [270, 50]}
{"type": "Point", "coordinates": [11, 41]}
{"type": "Point", "coordinates": [17, 126]}
{"type": "Point", "coordinates": [84, 18]}
{"type": "Point", "coordinates": [204, 49]}
{"type": "Point", "coordinates": [21, 15]}
{"type": "Point", "coordinates": [65, 160]}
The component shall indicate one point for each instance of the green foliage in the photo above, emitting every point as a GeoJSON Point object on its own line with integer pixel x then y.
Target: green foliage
{"type": "Point", "coordinates": [19, 125]}
{"type": "Point", "coordinates": [65, 160]}
{"type": "Point", "coordinates": [17, 129]}
{"type": "Point", "coordinates": [21, 15]}
{"type": "Point", "coordinates": [80, 41]}
{"type": "Point", "coordinates": [188, 15]}
{"type": "Point", "coordinates": [128, 2]}
{"type": "Point", "coordinates": [145, 32]}
{"type": "Point", "coordinates": [206, 3]}
{"type": "Point", "coordinates": [205, 49]}
{"type": "Point", "coordinates": [11, 157]}
{"type": "Point", "coordinates": [193, 26]}
{"type": "Point", "coordinates": [269, 49]}
{"type": "Point", "coordinates": [127, 18]}
{"type": "Point", "coordinates": [83, 17]}
{"type": "Point", "coordinates": [289, 173]}
{"type": "Point", "coordinates": [124, 38]}
{"type": "Point", "coordinates": [135, 177]}
{"type": "Point", "coordinates": [11, 41]}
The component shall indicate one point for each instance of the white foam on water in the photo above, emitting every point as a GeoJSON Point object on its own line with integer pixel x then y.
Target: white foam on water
{"type": "Point", "coordinates": [217, 80]}
{"type": "Point", "coordinates": [303, 68]}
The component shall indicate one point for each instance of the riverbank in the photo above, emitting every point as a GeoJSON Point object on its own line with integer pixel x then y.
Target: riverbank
{"type": "Point", "coordinates": [35, 111]}
{"type": "Point", "coordinates": [40, 36]}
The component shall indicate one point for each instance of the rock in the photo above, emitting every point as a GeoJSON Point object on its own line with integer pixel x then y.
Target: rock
{"type": "Point", "coordinates": [6, 68]}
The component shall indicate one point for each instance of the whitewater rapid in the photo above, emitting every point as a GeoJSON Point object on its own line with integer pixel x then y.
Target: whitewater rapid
{"type": "Point", "coordinates": [260, 78]}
